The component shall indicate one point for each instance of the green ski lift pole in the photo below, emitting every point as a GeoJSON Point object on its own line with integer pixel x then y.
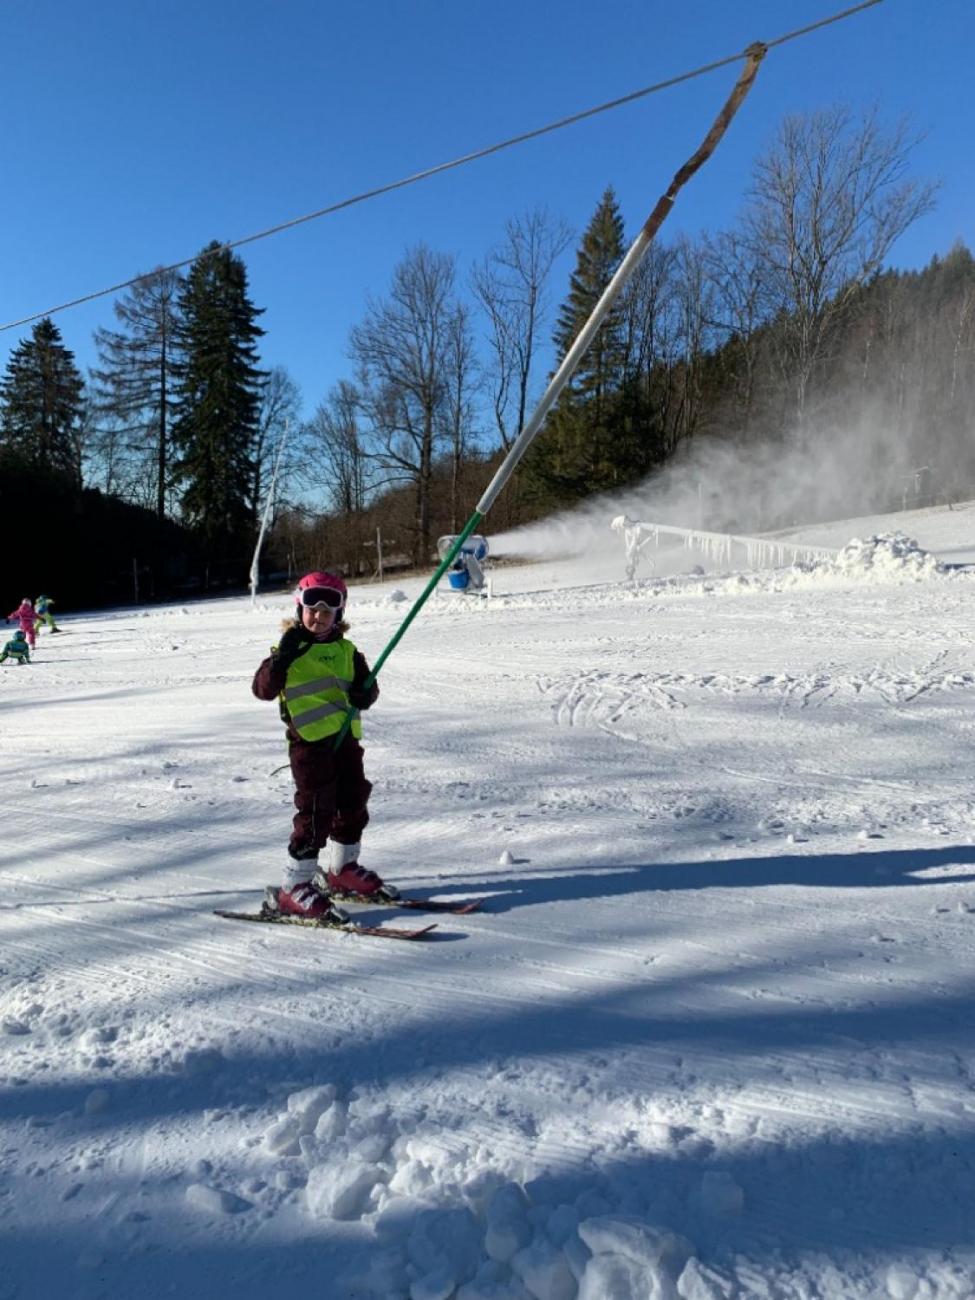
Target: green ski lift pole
{"type": "Point", "coordinates": [754, 54]}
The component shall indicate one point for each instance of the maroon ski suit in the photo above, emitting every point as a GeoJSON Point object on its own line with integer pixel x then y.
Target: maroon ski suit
{"type": "Point", "coordinates": [26, 617]}
{"type": "Point", "coordinates": [331, 790]}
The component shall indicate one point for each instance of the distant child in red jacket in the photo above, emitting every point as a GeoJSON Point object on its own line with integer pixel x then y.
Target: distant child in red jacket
{"type": "Point", "coordinates": [26, 617]}
{"type": "Point", "coordinates": [319, 678]}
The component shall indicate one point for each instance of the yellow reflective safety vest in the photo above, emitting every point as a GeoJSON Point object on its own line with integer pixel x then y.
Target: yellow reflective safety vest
{"type": "Point", "coordinates": [315, 696]}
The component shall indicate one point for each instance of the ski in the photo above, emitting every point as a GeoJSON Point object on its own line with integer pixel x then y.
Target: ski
{"type": "Point", "coordinates": [270, 916]}
{"type": "Point", "coordinates": [412, 904]}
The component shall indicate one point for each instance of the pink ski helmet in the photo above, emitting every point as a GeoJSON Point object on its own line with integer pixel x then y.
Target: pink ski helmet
{"type": "Point", "coordinates": [320, 588]}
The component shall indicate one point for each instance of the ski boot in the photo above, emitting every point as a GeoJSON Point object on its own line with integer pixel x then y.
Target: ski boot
{"type": "Point", "coordinates": [346, 878]}
{"type": "Point", "coordinates": [309, 900]}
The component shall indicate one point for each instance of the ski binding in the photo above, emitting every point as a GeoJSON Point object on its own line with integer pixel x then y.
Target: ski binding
{"type": "Point", "coordinates": [271, 914]}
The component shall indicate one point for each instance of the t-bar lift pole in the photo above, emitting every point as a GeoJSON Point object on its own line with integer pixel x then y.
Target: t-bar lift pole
{"type": "Point", "coordinates": [754, 55]}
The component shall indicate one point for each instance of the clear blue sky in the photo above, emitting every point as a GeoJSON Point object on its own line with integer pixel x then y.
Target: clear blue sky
{"type": "Point", "coordinates": [136, 132]}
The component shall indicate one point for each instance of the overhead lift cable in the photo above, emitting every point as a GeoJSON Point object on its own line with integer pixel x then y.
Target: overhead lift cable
{"type": "Point", "coordinates": [456, 162]}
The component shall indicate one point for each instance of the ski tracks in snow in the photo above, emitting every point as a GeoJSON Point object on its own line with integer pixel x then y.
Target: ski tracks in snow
{"type": "Point", "coordinates": [665, 1011]}
{"type": "Point", "coordinates": [603, 698]}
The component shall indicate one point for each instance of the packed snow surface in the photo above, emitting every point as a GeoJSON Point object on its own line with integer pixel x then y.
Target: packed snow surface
{"type": "Point", "coordinates": [711, 1037]}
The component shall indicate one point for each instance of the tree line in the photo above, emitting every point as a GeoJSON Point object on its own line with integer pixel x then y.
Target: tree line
{"type": "Point", "coordinates": [781, 328]}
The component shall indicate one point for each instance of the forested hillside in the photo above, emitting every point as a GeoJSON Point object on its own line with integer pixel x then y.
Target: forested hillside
{"type": "Point", "coordinates": [794, 331]}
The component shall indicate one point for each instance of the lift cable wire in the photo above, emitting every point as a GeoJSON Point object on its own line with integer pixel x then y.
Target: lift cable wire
{"type": "Point", "coordinates": [448, 166]}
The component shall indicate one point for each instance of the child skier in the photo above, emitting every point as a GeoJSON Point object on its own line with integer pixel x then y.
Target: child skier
{"type": "Point", "coordinates": [42, 608]}
{"type": "Point", "coordinates": [25, 616]}
{"type": "Point", "coordinates": [16, 648]}
{"type": "Point", "coordinates": [319, 678]}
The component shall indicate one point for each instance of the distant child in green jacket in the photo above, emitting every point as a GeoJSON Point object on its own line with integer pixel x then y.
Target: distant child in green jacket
{"type": "Point", "coordinates": [16, 648]}
{"type": "Point", "coordinates": [42, 608]}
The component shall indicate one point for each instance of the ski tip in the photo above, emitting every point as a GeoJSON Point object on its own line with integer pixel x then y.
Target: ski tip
{"type": "Point", "coordinates": [393, 932]}
{"type": "Point", "coordinates": [475, 905]}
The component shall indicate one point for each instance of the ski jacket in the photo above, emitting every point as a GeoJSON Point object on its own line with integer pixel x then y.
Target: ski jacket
{"type": "Point", "coordinates": [314, 690]}
{"type": "Point", "coordinates": [42, 604]}
{"type": "Point", "coordinates": [17, 645]}
{"type": "Point", "coordinates": [24, 613]}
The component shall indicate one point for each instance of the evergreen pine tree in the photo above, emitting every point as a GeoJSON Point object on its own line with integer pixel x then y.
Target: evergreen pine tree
{"type": "Point", "coordinates": [218, 386]}
{"type": "Point", "coordinates": [575, 454]}
{"type": "Point", "coordinates": [41, 404]}
{"type": "Point", "coordinates": [600, 253]}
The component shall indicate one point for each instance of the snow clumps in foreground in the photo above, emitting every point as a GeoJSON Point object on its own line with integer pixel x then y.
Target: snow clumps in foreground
{"type": "Point", "coordinates": [448, 1226]}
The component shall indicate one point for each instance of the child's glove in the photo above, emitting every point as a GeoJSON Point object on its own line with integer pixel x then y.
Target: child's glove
{"type": "Point", "coordinates": [294, 643]}
{"type": "Point", "coordinates": [362, 697]}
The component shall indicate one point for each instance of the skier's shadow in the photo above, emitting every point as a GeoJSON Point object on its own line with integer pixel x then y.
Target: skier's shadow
{"type": "Point", "coordinates": [886, 868]}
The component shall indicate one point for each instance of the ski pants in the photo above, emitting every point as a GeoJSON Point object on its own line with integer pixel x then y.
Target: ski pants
{"type": "Point", "coordinates": [331, 795]}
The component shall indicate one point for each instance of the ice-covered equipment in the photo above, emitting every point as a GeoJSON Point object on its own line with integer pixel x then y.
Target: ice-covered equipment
{"type": "Point", "coordinates": [466, 572]}
{"type": "Point", "coordinates": [759, 552]}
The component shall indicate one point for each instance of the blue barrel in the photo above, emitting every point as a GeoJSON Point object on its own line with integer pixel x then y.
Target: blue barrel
{"type": "Point", "coordinates": [458, 580]}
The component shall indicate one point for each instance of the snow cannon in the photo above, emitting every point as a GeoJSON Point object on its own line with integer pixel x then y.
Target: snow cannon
{"type": "Point", "coordinates": [465, 572]}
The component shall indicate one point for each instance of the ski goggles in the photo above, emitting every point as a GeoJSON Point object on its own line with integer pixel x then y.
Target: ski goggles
{"type": "Point", "coordinates": [316, 597]}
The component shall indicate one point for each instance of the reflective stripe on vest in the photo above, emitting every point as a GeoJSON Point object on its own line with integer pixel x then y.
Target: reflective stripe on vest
{"type": "Point", "coordinates": [315, 690]}
{"type": "Point", "coordinates": [310, 688]}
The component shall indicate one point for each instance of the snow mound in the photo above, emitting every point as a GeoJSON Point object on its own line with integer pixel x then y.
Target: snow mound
{"type": "Point", "coordinates": [883, 558]}
{"type": "Point", "coordinates": [886, 556]}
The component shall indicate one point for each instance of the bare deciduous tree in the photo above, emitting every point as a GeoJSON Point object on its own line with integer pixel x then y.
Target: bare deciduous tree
{"type": "Point", "coordinates": [460, 373]}
{"type": "Point", "coordinates": [740, 299]}
{"type": "Point", "coordinates": [828, 200]}
{"type": "Point", "coordinates": [108, 461]}
{"type": "Point", "coordinates": [401, 350]}
{"type": "Point", "coordinates": [280, 405]}
{"type": "Point", "coordinates": [694, 309]}
{"type": "Point", "coordinates": [510, 285]}
{"type": "Point", "coordinates": [334, 446]}
{"type": "Point", "coordinates": [665, 328]}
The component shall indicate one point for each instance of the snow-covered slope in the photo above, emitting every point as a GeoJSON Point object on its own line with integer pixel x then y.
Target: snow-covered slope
{"type": "Point", "coordinates": [711, 1037]}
